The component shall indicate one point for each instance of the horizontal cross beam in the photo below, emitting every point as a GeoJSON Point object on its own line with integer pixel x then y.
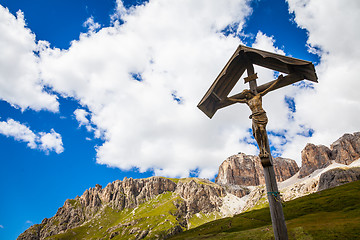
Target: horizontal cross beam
{"type": "Point", "coordinates": [250, 78]}
{"type": "Point", "coordinates": [287, 80]}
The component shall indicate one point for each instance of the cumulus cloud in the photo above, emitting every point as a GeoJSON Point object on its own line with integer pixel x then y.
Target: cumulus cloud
{"type": "Point", "coordinates": [332, 108]}
{"type": "Point", "coordinates": [1, 226]}
{"type": "Point", "coordinates": [141, 80]}
{"type": "Point", "coordinates": [81, 116]}
{"type": "Point", "coordinates": [44, 141]}
{"type": "Point", "coordinates": [91, 24]}
{"type": "Point", "coordinates": [51, 142]}
{"type": "Point", "coordinates": [20, 82]}
{"type": "Point", "coordinates": [19, 132]}
{"type": "Point", "coordinates": [131, 77]}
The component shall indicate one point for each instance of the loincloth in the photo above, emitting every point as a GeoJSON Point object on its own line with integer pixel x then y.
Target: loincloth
{"type": "Point", "coordinates": [259, 117]}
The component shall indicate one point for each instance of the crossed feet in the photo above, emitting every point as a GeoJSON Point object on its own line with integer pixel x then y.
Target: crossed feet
{"type": "Point", "coordinates": [265, 158]}
{"type": "Point", "coordinates": [264, 154]}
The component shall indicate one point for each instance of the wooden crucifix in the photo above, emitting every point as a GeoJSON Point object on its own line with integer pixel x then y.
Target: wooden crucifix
{"type": "Point", "coordinates": [217, 97]}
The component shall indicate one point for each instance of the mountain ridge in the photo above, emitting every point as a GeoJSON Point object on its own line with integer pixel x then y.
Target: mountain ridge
{"type": "Point", "coordinates": [188, 197]}
{"type": "Point", "coordinates": [159, 207]}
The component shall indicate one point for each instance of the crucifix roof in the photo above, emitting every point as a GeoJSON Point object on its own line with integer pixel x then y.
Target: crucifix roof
{"type": "Point", "coordinates": [243, 59]}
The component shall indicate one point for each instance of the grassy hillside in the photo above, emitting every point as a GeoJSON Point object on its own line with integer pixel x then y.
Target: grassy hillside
{"type": "Point", "coordinates": [329, 214]}
{"type": "Point", "coordinates": [154, 219]}
{"type": "Point", "coordinates": [156, 215]}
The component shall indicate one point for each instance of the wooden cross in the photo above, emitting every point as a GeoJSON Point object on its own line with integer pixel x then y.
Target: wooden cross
{"type": "Point", "coordinates": [217, 98]}
{"type": "Point", "coordinates": [251, 79]}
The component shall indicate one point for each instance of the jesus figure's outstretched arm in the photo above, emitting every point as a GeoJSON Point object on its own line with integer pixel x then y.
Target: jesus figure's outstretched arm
{"type": "Point", "coordinates": [272, 85]}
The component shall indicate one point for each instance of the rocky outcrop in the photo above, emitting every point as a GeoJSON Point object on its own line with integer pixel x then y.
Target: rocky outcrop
{"type": "Point", "coordinates": [242, 169]}
{"type": "Point", "coordinates": [314, 157]}
{"type": "Point", "coordinates": [186, 198]}
{"type": "Point", "coordinates": [284, 168]}
{"type": "Point", "coordinates": [32, 232]}
{"type": "Point", "coordinates": [201, 196]}
{"type": "Point", "coordinates": [298, 189]}
{"type": "Point", "coordinates": [254, 197]}
{"type": "Point", "coordinates": [237, 190]}
{"type": "Point", "coordinates": [194, 196]}
{"type": "Point", "coordinates": [338, 176]}
{"type": "Point", "coordinates": [345, 150]}
{"type": "Point", "coordinates": [128, 193]}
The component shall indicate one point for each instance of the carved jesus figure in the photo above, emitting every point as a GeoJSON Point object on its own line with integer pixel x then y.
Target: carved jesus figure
{"type": "Point", "coordinates": [258, 116]}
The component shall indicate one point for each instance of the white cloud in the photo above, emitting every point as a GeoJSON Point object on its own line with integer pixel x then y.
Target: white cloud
{"type": "Point", "coordinates": [44, 141]}
{"type": "Point", "coordinates": [20, 83]}
{"type": "Point", "coordinates": [91, 24]}
{"type": "Point", "coordinates": [51, 142]}
{"type": "Point", "coordinates": [120, 11]}
{"type": "Point", "coordinates": [333, 107]}
{"type": "Point", "coordinates": [125, 76]}
{"type": "Point", "coordinates": [80, 115]}
{"type": "Point", "coordinates": [266, 43]}
{"type": "Point", "coordinates": [19, 132]}
{"type": "Point", "coordinates": [1, 226]}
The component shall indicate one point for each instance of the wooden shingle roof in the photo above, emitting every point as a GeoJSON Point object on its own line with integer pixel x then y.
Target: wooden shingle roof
{"type": "Point", "coordinates": [243, 59]}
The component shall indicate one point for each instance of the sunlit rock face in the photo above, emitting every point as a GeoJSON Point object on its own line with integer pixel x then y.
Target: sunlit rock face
{"type": "Point", "coordinates": [314, 157]}
{"type": "Point", "coordinates": [246, 170]}
{"type": "Point", "coordinates": [194, 198]}
{"type": "Point", "coordinates": [345, 150]}
{"type": "Point", "coordinates": [184, 198]}
{"type": "Point", "coordinates": [118, 195]}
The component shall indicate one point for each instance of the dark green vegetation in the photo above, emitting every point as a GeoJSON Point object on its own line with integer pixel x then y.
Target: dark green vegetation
{"type": "Point", "coordinates": [329, 214]}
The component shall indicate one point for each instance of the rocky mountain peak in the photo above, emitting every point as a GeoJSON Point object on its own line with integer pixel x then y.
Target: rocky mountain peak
{"type": "Point", "coordinates": [246, 170]}
{"type": "Point", "coordinates": [345, 150]}
{"type": "Point", "coordinates": [191, 196]}
{"type": "Point", "coordinates": [141, 202]}
{"type": "Point", "coordinates": [200, 195]}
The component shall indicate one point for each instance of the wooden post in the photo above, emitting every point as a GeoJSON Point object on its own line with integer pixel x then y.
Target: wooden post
{"type": "Point", "coordinates": [276, 210]}
{"type": "Point", "coordinates": [217, 97]}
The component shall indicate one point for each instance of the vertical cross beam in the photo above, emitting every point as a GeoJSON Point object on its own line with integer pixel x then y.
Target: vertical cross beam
{"type": "Point", "coordinates": [276, 210]}
{"type": "Point", "coordinates": [273, 194]}
{"type": "Point", "coordinates": [251, 78]}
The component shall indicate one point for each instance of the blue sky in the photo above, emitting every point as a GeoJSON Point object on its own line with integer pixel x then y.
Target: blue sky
{"type": "Point", "coordinates": [93, 91]}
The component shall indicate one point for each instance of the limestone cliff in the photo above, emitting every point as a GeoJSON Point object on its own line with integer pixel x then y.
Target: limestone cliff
{"type": "Point", "coordinates": [284, 168]}
{"type": "Point", "coordinates": [246, 170]}
{"type": "Point", "coordinates": [314, 157]}
{"type": "Point", "coordinates": [157, 207]}
{"type": "Point", "coordinates": [345, 150]}
{"type": "Point", "coordinates": [156, 201]}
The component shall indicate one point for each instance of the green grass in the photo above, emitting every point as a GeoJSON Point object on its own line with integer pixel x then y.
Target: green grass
{"type": "Point", "coordinates": [262, 203]}
{"type": "Point", "coordinates": [329, 214]}
{"type": "Point", "coordinates": [197, 180]}
{"type": "Point", "coordinates": [155, 215]}
{"type": "Point", "coordinates": [202, 218]}
{"type": "Point", "coordinates": [158, 216]}
{"type": "Point", "coordinates": [175, 180]}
